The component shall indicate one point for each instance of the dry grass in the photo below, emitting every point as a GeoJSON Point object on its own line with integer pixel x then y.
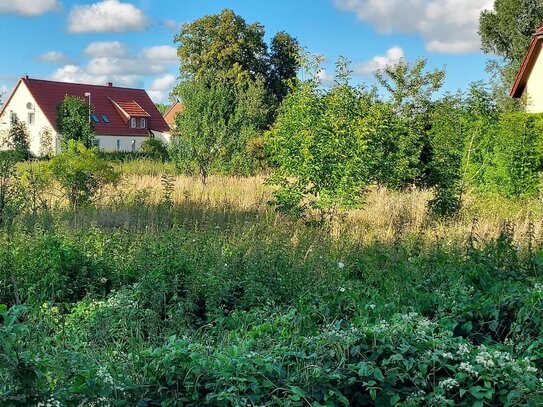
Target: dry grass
{"type": "Point", "coordinates": [242, 193]}
{"type": "Point", "coordinates": [386, 215]}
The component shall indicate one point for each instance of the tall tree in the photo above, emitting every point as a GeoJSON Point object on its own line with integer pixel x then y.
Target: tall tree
{"type": "Point", "coordinates": [507, 29]}
{"type": "Point", "coordinates": [223, 43]}
{"type": "Point", "coordinates": [217, 121]}
{"type": "Point", "coordinates": [73, 120]}
{"type": "Point", "coordinates": [411, 89]}
{"type": "Point", "coordinates": [285, 61]}
{"type": "Point", "coordinates": [318, 146]}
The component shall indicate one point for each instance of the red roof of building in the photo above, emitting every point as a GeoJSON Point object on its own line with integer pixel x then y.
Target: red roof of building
{"type": "Point", "coordinates": [132, 109]}
{"type": "Point", "coordinates": [172, 112]}
{"type": "Point", "coordinates": [528, 64]}
{"type": "Point", "coordinates": [136, 103]}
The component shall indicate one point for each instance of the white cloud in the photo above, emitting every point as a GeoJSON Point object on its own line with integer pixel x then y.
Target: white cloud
{"type": "Point", "coordinates": [107, 16]}
{"type": "Point", "coordinates": [162, 53]}
{"type": "Point", "coordinates": [172, 25]}
{"type": "Point", "coordinates": [54, 57]}
{"type": "Point", "coordinates": [28, 8]}
{"type": "Point", "coordinates": [105, 49]}
{"type": "Point", "coordinates": [161, 87]}
{"type": "Point", "coordinates": [76, 74]}
{"type": "Point", "coordinates": [165, 82]}
{"type": "Point", "coordinates": [124, 66]}
{"type": "Point", "coordinates": [447, 26]}
{"type": "Point", "coordinates": [111, 62]}
{"type": "Point", "coordinates": [325, 78]}
{"type": "Point", "coordinates": [392, 56]}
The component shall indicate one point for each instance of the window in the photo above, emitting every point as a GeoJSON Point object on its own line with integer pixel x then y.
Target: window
{"type": "Point", "coordinates": [105, 118]}
{"type": "Point", "coordinates": [95, 118]}
{"type": "Point", "coordinates": [142, 123]}
{"type": "Point", "coordinates": [12, 117]}
{"type": "Point", "coordinates": [133, 122]}
{"type": "Point", "coordinates": [133, 146]}
{"type": "Point", "coordinates": [118, 145]}
{"type": "Point", "coordinates": [96, 142]}
{"type": "Point", "coordinates": [31, 118]}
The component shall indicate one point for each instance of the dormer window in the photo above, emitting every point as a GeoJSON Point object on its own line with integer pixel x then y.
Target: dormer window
{"type": "Point", "coordinates": [142, 123]}
{"type": "Point", "coordinates": [133, 122]}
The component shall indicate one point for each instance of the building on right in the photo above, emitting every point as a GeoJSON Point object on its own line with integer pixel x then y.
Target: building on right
{"type": "Point", "coordinates": [529, 79]}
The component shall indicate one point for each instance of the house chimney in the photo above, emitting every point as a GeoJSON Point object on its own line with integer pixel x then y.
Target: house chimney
{"type": "Point", "coordinates": [26, 76]}
{"type": "Point", "coordinates": [110, 84]}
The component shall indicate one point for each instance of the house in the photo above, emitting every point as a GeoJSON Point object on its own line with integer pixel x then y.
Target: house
{"type": "Point", "coordinates": [122, 117]}
{"type": "Point", "coordinates": [529, 80]}
{"type": "Point", "coordinates": [172, 113]}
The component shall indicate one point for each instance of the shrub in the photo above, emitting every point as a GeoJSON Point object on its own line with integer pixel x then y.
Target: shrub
{"type": "Point", "coordinates": [155, 148]}
{"type": "Point", "coordinates": [81, 173]}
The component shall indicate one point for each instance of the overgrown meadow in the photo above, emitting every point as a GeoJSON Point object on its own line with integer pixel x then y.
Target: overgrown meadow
{"type": "Point", "coordinates": [324, 246]}
{"type": "Point", "coordinates": [164, 293]}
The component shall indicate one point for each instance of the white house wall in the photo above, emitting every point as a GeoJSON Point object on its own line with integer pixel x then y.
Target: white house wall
{"type": "Point", "coordinates": [18, 104]}
{"type": "Point", "coordinates": [534, 87]}
{"type": "Point", "coordinates": [120, 143]}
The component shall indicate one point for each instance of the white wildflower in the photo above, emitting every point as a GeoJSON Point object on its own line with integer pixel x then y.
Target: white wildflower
{"type": "Point", "coordinates": [485, 359]}
{"type": "Point", "coordinates": [448, 355]}
{"type": "Point", "coordinates": [448, 384]}
{"type": "Point", "coordinates": [463, 349]}
{"type": "Point", "coordinates": [468, 368]}
{"type": "Point", "coordinates": [340, 265]}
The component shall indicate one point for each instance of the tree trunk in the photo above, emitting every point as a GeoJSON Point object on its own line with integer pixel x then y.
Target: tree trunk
{"type": "Point", "coordinates": [203, 176]}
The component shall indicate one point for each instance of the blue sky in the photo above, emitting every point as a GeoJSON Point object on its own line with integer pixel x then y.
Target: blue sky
{"type": "Point", "coordinates": [130, 42]}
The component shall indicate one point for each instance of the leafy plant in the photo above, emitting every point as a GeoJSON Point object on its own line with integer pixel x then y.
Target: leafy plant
{"type": "Point", "coordinates": [81, 173]}
{"type": "Point", "coordinates": [73, 121]}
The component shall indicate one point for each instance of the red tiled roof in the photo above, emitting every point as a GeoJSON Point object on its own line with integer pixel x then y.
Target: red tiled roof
{"type": "Point", "coordinates": [528, 64]}
{"type": "Point", "coordinates": [172, 112]}
{"type": "Point", "coordinates": [49, 94]}
{"type": "Point", "coordinates": [132, 109]}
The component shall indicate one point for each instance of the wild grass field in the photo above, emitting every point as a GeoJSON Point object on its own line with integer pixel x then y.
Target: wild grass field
{"type": "Point", "coordinates": [166, 293]}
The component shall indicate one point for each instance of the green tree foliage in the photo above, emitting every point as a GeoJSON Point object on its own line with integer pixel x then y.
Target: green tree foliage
{"type": "Point", "coordinates": [480, 118]}
{"type": "Point", "coordinates": [73, 121]}
{"type": "Point", "coordinates": [222, 43]}
{"type": "Point", "coordinates": [46, 142]}
{"type": "Point", "coordinates": [216, 124]}
{"type": "Point", "coordinates": [18, 137]}
{"type": "Point", "coordinates": [317, 147]}
{"type": "Point", "coordinates": [516, 161]}
{"type": "Point", "coordinates": [285, 61]}
{"type": "Point", "coordinates": [447, 140]}
{"type": "Point", "coordinates": [11, 197]}
{"type": "Point", "coordinates": [226, 45]}
{"type": "Point", "coordinates": [506, 29]}
{"type": "Point", "coordinates": [81, 173]}
{"type": "Point", "coordinates": [225, 134]}
{"type": "Point", "coordinates": [411, 89]}
{"type": "Point", "coordinates": [155, 147]}
{"type": "Point", "coordinates": [393, 153]}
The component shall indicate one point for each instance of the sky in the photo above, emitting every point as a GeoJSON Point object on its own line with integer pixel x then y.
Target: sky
{"type": "Point", "coordinates": [130, 42]}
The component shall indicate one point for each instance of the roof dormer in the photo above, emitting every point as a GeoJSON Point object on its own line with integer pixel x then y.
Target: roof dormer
{"type": "Point", "coordinates": [133, 114]}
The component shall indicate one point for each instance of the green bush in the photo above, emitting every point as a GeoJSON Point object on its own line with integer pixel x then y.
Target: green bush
{"type": "Point", "coordinates": [81, 173]}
